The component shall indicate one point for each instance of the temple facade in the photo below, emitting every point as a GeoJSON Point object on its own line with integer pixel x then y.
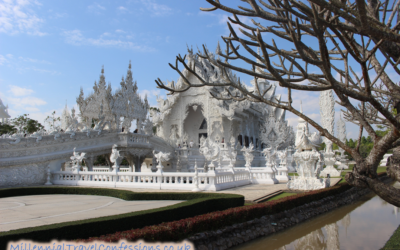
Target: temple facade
{"type": "Point", "coordinates": [4, 112]}
{"type": "Point", "coordinates": [186, 117]}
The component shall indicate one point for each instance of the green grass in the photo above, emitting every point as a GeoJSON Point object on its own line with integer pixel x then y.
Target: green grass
{"type": "Point", "coordinates": [282, 195]}
{"type": "Point", "coordinates": [394, 241]}
{"type": "Point", "coordinates": [379, 170]}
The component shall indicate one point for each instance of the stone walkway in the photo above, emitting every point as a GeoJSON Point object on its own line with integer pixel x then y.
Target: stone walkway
{"type": "Point", "coordinates": [30, 211]}
{"type": "Point", "coordinates": [37, 210]}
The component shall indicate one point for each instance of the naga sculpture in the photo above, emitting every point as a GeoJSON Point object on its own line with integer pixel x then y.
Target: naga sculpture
{"type": "Point", "coordinates": [160, 157]}
{"type": "Point", "coordinates": [248, 155]}
{"type": "Point", "coordinates": [77, 159]}
{"type": "Point", "coordinates": [115, 158]}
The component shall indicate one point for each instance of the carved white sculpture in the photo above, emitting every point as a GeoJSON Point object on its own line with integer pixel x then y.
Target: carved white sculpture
{"type": "Point", "coordinates": [274, 130]}
{"type": "Point", "coordinates": [327, 109]}
{"type": "Point", "coordinates": [282, 170]}
{"type": "Point", "coordinates": [248, 155]}
{"type": "Point", "coordinates": [161, 157]}
{"type": "Point", "coordinates": [38, 135]}
{"type": "Point", "coordinates": [115, 158]}
{"type": "Point", "coordinates": [341, 129]}
{"type": "Point", "coordinates": [125, 103]}
{"type": "Point", "coordinates": [270, 159]}
{"type": "Point", "coordinates": [210, 150]}
{"type": "Point", "coordinates": [306, 157]}
{"type": "Point", "coordinates": [77, 159]}
{"type": "Point", "coordinates": [191, 109]}
{"type": "Point", "coordinates": [100, 125]}
{"type": "Point", "coordinates": [196, 178]}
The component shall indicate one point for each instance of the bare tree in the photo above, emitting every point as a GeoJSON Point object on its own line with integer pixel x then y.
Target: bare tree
{"type": "Point", "coordinates": [348, 36]}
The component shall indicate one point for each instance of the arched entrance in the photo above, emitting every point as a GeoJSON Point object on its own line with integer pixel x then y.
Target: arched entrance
{"type": "Point", "coordinates": [195, 124]}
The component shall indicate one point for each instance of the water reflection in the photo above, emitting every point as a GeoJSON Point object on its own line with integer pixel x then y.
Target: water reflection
{"type": "Point", "coordinates": [366, 224]}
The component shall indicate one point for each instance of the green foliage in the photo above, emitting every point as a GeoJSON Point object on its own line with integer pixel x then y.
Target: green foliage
{"type": "Point", "coordinates": [7, 129]}
{"type": "Point", "coordinates": [25, 124]}
{"type": "Point", "coordinates": [155, 109]}
{"type": "Point", "coordinates": [100, 160]}
{"type": "Point", "coordinates": [194, 204]}
{"type": "Point", "coordinates": [53, 121]}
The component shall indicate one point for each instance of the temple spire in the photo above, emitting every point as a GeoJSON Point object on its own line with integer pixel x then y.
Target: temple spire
{"type": "Point", "coordinates": [301, 107]}
{"type": "Point", "coordinates": [218, 50]}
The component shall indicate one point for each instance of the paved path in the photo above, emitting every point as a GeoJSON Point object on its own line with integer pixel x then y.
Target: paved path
{"type": "Point", "coordinates": [37, 210]}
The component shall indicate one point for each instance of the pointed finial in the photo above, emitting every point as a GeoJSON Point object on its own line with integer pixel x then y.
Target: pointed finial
{"type": "Point", "coordinates": [102, 69]}
{"type": "Point", "coordinates": [301, 107]}
{"type": "Point", "coordinates": [218, 50]}
{"type": "Point", "coordinates": [130, 66]}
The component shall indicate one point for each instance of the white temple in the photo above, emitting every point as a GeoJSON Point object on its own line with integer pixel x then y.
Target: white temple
{"type": "Point", "coordinates": [186, 117]}
{"type": "Point", "coordinates": [4, 112]}
{"type": "Point", "coordinates": [225, 139]}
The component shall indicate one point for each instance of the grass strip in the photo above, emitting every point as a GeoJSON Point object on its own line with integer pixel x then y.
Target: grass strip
{"type": "Point", "coordinates": [394, 241]}
{"type": "Point", "coordinates": [280, 196]}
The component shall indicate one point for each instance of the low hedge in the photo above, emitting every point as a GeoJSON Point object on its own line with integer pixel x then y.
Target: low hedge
{"type": "Point", "coordinates": [195, 204]}
{"type": "Point", "coordinates": [179, 230]}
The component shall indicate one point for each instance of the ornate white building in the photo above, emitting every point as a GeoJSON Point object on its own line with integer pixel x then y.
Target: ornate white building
{"type": "Point", "coordinates": [184, 120]}
{"type": "Point", "coordinates": [185, 117]}
{"type": "Point", "coordinates": [4, 112]}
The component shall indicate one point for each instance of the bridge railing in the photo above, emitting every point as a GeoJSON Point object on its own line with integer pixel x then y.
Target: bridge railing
{"type": "Point", "coordinates": [209, 181]}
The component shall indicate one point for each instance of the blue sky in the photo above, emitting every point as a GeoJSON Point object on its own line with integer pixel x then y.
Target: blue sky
{"type": "Point", "coordinates": [50, 49]}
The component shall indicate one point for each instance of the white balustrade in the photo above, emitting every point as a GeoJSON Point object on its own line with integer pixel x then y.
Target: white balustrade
{"type": "Point", "coordinates": [139, 138]}
{"type": "Point", "coordinates": [209, 181]}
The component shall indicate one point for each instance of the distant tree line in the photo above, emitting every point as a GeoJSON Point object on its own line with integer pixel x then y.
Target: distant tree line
{"type": "Point", "coordinates": [22, 123]}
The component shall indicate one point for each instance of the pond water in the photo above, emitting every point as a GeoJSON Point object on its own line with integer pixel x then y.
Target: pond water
{"type": "Point", "coordinates": [365, 224]}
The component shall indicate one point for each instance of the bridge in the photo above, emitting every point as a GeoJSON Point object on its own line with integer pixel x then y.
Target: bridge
{"type": "Point", "coordinates": [24, 161]}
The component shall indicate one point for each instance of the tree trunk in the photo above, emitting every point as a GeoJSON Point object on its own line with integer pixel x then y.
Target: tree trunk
{"type": "Point", "coordinates": [393, 165]}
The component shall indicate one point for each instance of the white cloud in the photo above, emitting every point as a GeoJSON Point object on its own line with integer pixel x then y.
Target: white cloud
{"type": "Point", "coordinates": [119, 31]}
{"type": "Point", "coordinates": [157, 9]}
{"type": "Point", "coordinates": [18, 91]}
{"type": "Point", "coordinates": [26, 101]}
{"type": "Point", "coordinates": [3, 60]}
{"type": "Point", "coordinates": [16, 17]}
{"type": "Point", "coordinates": [27, 59]}
{"type": "Point", "coordinates": [75, 37]}
{"type": "Point", "coordinates": [122, 9]}
{"type": "Point", "coordinates": [96, 8]}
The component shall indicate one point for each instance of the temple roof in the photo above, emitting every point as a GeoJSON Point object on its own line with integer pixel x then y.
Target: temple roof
{"type": "Point", "coordinates": [3, 110]}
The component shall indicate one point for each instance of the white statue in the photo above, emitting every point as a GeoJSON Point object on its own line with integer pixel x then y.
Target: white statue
{"type": "Point", "coordinates": [210, 150]}
{"type": "Point", "coordinates": [77, 159]}
{"type": "Point", "coordinates": [248, 155]}
{"type": "Point", "coordinates": [306, 157]}
{"type": "Point", "coordinates": [17, 137]}
{"type": "Point", "coordinates": [115, 158]}
{"type": "Point", "coordinates": [327, 108]}
{"type": "Point", "coordinates": [38, 135]}
{"type": "Point", "coordinates": [341, 129]}
{"type": "Point", "coordinates": [160, 157]}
